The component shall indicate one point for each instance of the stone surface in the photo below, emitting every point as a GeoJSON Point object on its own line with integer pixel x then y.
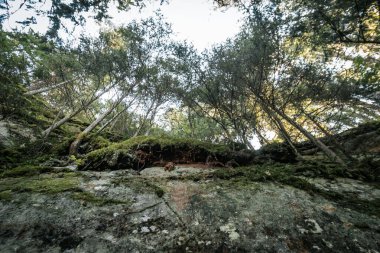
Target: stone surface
{"type": "Point", "coordinates": [13, 134]}
{"type": "Point", "coordinates": [207, 215]}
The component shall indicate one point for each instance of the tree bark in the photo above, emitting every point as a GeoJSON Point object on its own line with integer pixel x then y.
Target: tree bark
{"type": "Point", "coordinates": [261, 138]}
{"type": "Point", "coordinates": [247, 142]}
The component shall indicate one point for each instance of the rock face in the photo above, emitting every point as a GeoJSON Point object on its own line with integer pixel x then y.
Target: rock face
{"type": "Point", "coordinates": [12, 134]}
{"type": "Point", "coordinates": [171, 211]}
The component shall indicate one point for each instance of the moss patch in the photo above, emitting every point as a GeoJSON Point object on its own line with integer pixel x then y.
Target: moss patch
{"type": "Point", "coordinates": [6, 195]}
{"type": "Point", "coordinates": [25, 170]}
{"type": "Point", "coordinates": [280, 171]}
{"type": "Point", "coordinates": [47, 183]}
{"type": "Point", "coordinates": [9, 157]}
{"type": "Point", "coordinates": [347, 201]}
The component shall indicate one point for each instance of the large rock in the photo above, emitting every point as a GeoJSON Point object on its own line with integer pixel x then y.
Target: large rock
{"type": "Point", "coordinates": [14, 134]}
{"type": "Point", "coordinates": [156, 213]}
{"type": "Point", "coordinates": [141, 152]}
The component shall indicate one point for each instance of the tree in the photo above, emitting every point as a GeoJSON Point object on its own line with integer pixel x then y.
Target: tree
{"type": "Point", "coordinates": [134, 55]}
{"type": "Point", "coordinates": [327, 21]}
{"type": "Point", "coordinates": [59, 11]}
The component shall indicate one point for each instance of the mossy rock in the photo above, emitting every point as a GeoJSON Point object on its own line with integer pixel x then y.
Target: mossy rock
{"type": "Point", "coordinates": [9, 157]}
{"type": "Point", "coordinates": [276, 152]}
{"type": "Point", "coordinates": [142, 151]}
{"type": "Point", "coordinates": [45, 183]}
{"type": "Point", "coordinates": [6, 195]}
{"type": "Point", "coordinates": [25, 170]}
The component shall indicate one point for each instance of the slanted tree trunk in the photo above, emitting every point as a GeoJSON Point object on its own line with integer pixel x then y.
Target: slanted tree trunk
{"type": "Point", "coordinates": [62, 121]}
{"type": "Point", "coordinates": [151, 119]}
{"type": "Point", "coordinates": [334, 141]}
{"type": "Point", "coordinates": [75, 144]}
{"type": "Point", "coordinates": [331, 154]}
{"type": "Point", "coordinates": [117, 115]}
{"type": "Point", "coordinates": [247, 142]}
{"type": "Point", "coordinates": [59, 123]}
{"type": "Point", "coordinates": [151, 110]}
{"type": "Point", "coordinates": [260, 136]}
{"type": "Point", "coordinates": [41, 90]}
{"type": "Point", "coordinates": [282, 130]}
{"type": "Point", "coordinates": [110, 121]}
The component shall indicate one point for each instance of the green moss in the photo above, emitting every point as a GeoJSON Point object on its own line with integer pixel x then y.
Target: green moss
{"type": "Point", "coordinates": [162, 141]}
{"type": "Point", "coordinates": [6, 195]}
{"type": "Point", "coordinates": [260, 173]}
{"type": "Point", "coordinates": [97, 142]}
{"type": "Point", "coordinates": [93, 199]}
{"type": "Point", "coordinates": [9, 157]}
{"type": "Point", "coordinates": [25, 170]}
{"type": "Point", "coordinates": [46, 183]}
{"type": "Point", "coordinates": [158, 147]}
{"type": "Point", "coordinates": [75, 160]}
{"type": "Point", "coordinates": [159, 191]}
{"type": "Point", "coordinates": [62, 148]}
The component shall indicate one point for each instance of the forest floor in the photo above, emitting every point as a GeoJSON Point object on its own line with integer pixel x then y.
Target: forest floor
{"type": "Point", "coordinates": [189, 209]}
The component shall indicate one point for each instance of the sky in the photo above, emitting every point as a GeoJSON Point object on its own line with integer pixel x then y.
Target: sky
{"type": "Point", "coordinates": [197, 21]}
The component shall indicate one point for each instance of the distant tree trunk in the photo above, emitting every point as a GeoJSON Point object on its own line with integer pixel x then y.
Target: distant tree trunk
{"type": "Point", "coordinates": [143, 121]}
{"type": "Point", "coordinates": [110, 121]}
{"type": "Point", "coordinates": [151, 119]}
{"type": "Point", "coordinates": [41, 90]}
{"type": "Point", "coordinates": [74, 146]}
{"type": "Point", "coordinates": [117, 115]}
{"type": "Point", "coordinates": [190, 120]}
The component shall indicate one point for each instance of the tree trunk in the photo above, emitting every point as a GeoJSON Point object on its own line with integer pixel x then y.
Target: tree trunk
{"type": "Point", "coordinates": [189, 119]}
{"type": "Point", "coordinates": [110, 121]}
{"type": "Point", "coordinates": [38, 91]}
{"type": "Point", "coordinates": [261, 137]}
{"type": "Point", "coordinates": [282, 130]}
{"type": "Point", "coordinates": [331, 154]}
{"type": "Point", "coordinates": [247, 142]}
{"type": "Point", "coordinates": [335, 142]}
{"type": "Point", "coordinates": [74, 146]}
{"type": "Point", "coordinates": [143, 121]}
{"type": "Point", "coordinates": [59, 123]}
{"type": "Point", "coordinates": [151, 119]}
